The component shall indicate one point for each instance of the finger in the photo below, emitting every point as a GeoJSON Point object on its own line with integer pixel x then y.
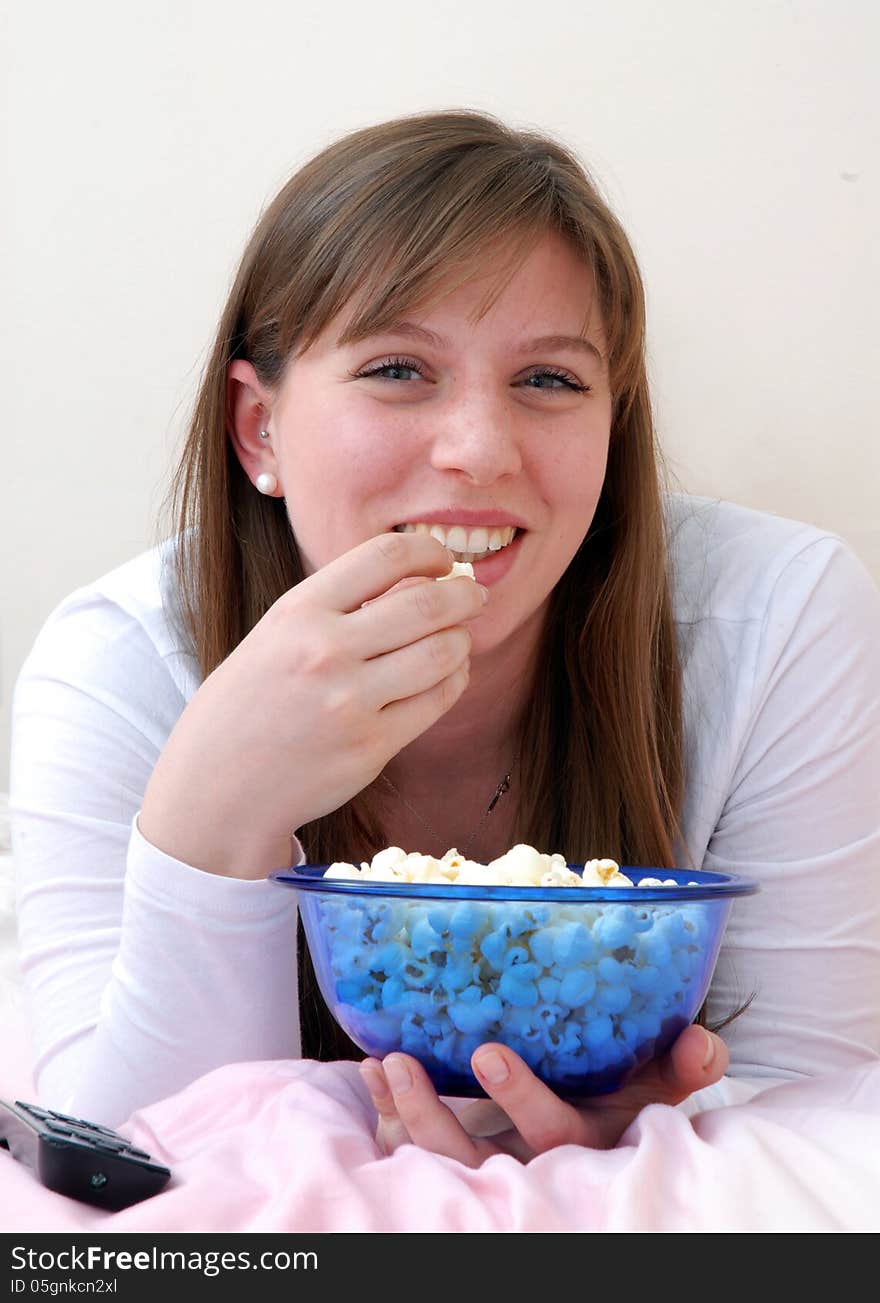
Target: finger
{"type": "Point", "coordinates": [391, 1133]}
{"type": "Point", "coordinates": [511, 1142]}
{"type": "Point", "coordinates": [398, 587]}
{"type": "Point", "coordinates": [426, 1118]}
{"type": "Point", "coordinates": [542, 1119]}
{"type": "Point", "coordinates": [408, 719]}
{"type": "Point", "coordinates": [480, 1117]}
{"type": "Point", "coordinates": [410, 613]}
{"type": "Point", "coordinates": [409, 582]}
{"type": "Point", "coordinates": [698, 1058]}
{"type": "Point", "coordinates": [371, 568]}
{"type": "Point", "coordinates": [418, 668]}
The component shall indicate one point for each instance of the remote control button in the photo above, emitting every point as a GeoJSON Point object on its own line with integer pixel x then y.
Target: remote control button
{"type": "Point", "coordinates": [33, 1109]}
{"type": "Point", "coordinates": [105, 1143]}
{"type": "Point", "coordinates": [107, 1146]}
{"type": "Point", "coordinates": [137, 1153]}
{"type": "Point", "coordinates": [93, 1126]}
{"type": "Point", "coordinates": [58, 1129]}
{"type": "Point", "coordinates": [62, 1117]}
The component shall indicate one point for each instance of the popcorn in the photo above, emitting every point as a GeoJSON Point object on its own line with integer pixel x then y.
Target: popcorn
{"type": "Point", "coordinates": [459, 568]}
{"type": "Point", "coordinates": [603, 873]}
{"type": "Point", "coordinates": [521, 866]}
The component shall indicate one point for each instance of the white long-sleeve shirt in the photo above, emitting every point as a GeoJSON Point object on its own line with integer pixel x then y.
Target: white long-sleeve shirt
{"type": "Point", "coordinates": [142, 973]}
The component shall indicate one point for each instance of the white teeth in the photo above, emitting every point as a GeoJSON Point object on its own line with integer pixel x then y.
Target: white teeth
{"type": "Point", "coordinates": [457, 539]}
{"type": "Point", "coordinates": [464, 541]}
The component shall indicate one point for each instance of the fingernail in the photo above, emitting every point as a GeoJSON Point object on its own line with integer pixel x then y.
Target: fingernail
{"type": "Point", "coordinates": [709, 1052]}
{"type": "Point", "coordinates": [397, 1075]}
{"type": "Point", "coordinates": [484, 593]}
{"type": "Point", "coordinates": [492, 1066]}
{"type": "Point", "coordinates": [374, 1080]}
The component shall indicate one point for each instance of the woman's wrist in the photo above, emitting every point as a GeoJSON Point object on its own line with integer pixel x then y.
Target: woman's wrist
{"type": "Point", "coordinates": [209, 845]}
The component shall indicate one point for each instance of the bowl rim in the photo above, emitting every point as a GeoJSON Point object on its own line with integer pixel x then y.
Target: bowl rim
{"type": "Point", "coordinates": [310, 878]}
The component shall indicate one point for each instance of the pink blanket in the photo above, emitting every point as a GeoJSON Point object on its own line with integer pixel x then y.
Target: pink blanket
{"type": "Point", "coordinates": [288, 1146]}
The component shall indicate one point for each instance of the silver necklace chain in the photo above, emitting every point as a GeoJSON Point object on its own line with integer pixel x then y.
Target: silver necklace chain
{"type": "Point", "coordinates": [502, 787]}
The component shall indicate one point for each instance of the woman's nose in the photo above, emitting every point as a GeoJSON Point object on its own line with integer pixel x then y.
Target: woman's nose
{"type": "Point", "coordinates": [476, 436]}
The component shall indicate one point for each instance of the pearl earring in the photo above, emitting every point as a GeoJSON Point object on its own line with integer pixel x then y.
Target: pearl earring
{"type": "Point", "coordinates": [264, 434]}
{"type": "Point", "coordinates": [266, 482]}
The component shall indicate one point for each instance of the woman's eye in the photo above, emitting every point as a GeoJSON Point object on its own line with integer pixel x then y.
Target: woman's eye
{"type": "Point", "coordinates": [393, 364]}
{"type": "Point", "coordinates": [564, 381]}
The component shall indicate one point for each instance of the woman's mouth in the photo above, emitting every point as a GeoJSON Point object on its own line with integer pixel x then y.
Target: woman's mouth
{"type": "Point", "coordinates": [466, 543]}
{"type": "Point", "coordinates": [491, 551]}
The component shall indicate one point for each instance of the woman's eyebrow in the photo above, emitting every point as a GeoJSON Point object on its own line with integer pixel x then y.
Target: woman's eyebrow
{"type": "Point", "coordinates": [408, 330]}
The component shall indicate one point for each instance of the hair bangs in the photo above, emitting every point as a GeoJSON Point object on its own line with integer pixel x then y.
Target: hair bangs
{"type": "Point", "coordinates": [432, 245]}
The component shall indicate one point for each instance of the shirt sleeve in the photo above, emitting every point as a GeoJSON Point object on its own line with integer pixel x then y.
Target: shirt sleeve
{"type": "Point", "coordinates": [802, 815]}
{"type": "Point", "coordinates": [140, 972]}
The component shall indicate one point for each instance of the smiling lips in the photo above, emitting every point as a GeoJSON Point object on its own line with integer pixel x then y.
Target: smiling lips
{"type": "Point", "coordinates": [465, 544]}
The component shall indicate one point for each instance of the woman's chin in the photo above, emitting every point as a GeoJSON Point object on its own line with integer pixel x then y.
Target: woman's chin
{"type": "Point", "coordinates": [493, 629]}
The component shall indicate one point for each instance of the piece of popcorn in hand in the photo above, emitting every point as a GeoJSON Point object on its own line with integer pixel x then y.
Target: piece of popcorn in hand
{"type": "Point", "coordinates": [460, 568]}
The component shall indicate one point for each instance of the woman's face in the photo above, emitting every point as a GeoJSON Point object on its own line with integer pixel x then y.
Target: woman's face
{"type": "Point", "coordinates": [485, 426]}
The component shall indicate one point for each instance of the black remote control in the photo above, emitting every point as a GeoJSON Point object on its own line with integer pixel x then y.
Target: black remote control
{"type": "Point", "coordinates": [79, 1159]}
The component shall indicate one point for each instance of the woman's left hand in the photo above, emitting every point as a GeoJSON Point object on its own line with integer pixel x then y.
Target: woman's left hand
{"type": "Point", "coordinates": [411, 1112]}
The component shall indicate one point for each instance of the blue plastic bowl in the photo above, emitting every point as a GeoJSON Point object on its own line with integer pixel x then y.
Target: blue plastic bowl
{"type": "Point", "coordinates": [585, 983]}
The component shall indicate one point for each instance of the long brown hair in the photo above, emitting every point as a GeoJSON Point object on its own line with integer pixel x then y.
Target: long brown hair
{"type": "Point", "coordinates": [388, 218]}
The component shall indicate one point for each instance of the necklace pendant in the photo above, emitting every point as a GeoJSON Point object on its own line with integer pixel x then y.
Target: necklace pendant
{"type": "Point", "coordinates": [503, 786]}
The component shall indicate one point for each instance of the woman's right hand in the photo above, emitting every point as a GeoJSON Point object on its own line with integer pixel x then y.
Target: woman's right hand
{"type": "Point", "coordinates": [311, 705]}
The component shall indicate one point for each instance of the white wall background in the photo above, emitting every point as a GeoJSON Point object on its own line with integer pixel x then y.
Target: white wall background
{"type": "Point", "coordinates": [737, 140]}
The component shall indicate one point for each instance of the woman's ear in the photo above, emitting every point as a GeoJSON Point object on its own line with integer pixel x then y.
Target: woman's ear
{"type": "Point", "coordinates": [248, 411]}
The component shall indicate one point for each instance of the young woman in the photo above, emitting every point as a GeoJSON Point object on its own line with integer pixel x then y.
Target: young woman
{"type": "Point", "coordinates": [434, 346]}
